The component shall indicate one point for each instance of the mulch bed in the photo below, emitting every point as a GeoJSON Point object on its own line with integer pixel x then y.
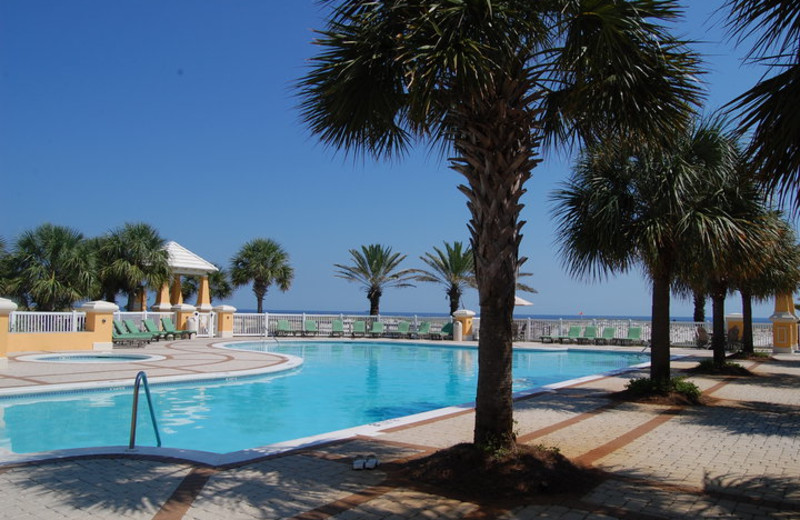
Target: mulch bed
{"type": "Point", "coordinates": [467, 473]}
{"type": "Point", "coordinates": [667, 399]}
{"type": "Point", "coordinates": [725, 370]}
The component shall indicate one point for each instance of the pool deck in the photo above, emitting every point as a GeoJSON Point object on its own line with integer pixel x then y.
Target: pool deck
{"type": "Point", "coordinates": [738, 457]}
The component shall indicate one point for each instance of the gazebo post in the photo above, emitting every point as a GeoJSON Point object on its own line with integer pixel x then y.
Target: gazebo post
{"type": "Point", "coordinates": [203, 295]}
{"type": "Point", "coordinates": [176, 296]}
{"type": "Point", "coordinates": [163, 303]}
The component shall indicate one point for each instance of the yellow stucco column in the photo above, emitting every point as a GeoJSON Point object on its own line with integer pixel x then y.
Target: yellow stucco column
{"type": "Point", "coordinates": [465, 316]}
{"type": "Point", "coordinates": [100, 320]}
{"type": "Point", "coordinates": [203, 295]}
{"type": "Point", "coordinates": [784, 325]}
{"type": "Point", "coordinates": [225, 320]}
{"type": "Point", "coordinates": [6, 308]}
{"type": "Point", "coordinates": [176, 297]}
{"type": "Point", "coordinates": [182, 314]}
{"type": "Point", "coordinates": [163, 303]}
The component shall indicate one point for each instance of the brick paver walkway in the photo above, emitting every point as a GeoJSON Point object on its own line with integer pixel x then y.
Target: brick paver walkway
{"type": "Point", "coordinates": [739, 458]}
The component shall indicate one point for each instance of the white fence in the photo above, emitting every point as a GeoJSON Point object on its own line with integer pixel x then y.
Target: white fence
{"type": "Point", "coordinates": [267, 324]}
{"type": "Point", "coordinates": [682, 333]}
{"type": "Point", "coordinates": [31, 321]}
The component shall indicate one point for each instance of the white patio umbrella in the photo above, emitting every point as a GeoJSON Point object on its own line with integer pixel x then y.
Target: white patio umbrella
{"type": "Point", "coordinates": [521, 302]}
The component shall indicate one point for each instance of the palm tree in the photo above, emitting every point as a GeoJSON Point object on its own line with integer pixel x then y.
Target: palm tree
{"type": "Point", "coordinates": [768, 109]}
{"type": "Point", "coordinates": [375, 267]}
{"type": "Point", "coordinates": [453, 268]}
{"type": "Point", "coordinates": [51, 267]}
{"type": "Point", "coordinates": [219, 285]}
{"type": "Point", "coordinates": [263, 262]}
{"type": "Point", "coordinates": [775, 269]}
{"type": "Point", "coordinates": [713, 267]}
{"type": "Point", "coordinates": [620, 209]}
{"type": "Point", "coordinates": [489, 82]}
{"type": "Point", "coordinates": [132, 258]}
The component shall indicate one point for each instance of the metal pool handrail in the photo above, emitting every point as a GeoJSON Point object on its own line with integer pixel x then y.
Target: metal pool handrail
{"type": "Point", "coordinates": [142, 377]}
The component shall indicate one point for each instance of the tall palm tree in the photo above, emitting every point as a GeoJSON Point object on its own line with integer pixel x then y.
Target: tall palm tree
{"type": "Point", "coordinates": [51, 267]}
{"type": "Point", "coordinates": [453, 268]}
{"type": "Point", "coordinates": [375, 267]}
{"type": "Point", "coordinates": [489, 82]}
{"type": "Point", "coordinates": [713, 267]}
{"type": "Point", "coordinates": [768, 109]}
{"type": "Point", "coordinates": [263, 262]}
{"type": "Point", "coordinates": [132, 258]}
{"type": "Point", "coordinates": [774, 269]}
{"type": "Point", "coordinates": [219, 285]}
{"type": "Point", "coordinates": [620, 209]}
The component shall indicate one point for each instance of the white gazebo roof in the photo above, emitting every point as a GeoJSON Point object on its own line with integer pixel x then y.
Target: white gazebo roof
{"type": "Point", "coordinates": [185, 262]}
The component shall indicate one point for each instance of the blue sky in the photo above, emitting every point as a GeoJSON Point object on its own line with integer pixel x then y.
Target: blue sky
{"type": "Point", "coordinates": [181, 114]}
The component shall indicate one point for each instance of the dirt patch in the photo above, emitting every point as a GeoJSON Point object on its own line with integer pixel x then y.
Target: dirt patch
{"type": "Point", "coordinates": [666, 399]}
{"type": "Point", "coordinates": [744, 356]}
{"type": "Point", "coordinates": [728, 369]}
{"type": "Point", "coordinates": [467, 473]}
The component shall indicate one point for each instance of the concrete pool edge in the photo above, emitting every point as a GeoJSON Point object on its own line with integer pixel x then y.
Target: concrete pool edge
{"type": "Point", "coordinates": [289, 363]}
{"type": "Point", "coordinates": [373, 430]}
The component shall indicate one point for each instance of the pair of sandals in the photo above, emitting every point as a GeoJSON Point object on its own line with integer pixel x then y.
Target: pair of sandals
{"type": "Point", "coordinates": [368, 462]}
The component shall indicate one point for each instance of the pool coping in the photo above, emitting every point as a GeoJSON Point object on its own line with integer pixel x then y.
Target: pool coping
{"type": "Point", "coordinates": [212, 459]}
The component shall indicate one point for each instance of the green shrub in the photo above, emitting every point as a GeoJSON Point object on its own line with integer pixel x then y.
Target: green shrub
{"type": "Point", "coordinates": [645, 386]}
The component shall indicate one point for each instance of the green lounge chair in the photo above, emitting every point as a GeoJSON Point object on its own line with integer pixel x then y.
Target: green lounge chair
{"type": "Point", "coordinates": [608, 336]}
{"type": "Point", "coordinates": [133, 328]}
{"type": "Point", "coordinates": [589, 335]}
{"type": "Point", "coordinates": [403, 329]}
{"type": "Point", "coordinates": [377, 329]}
{"type": "Point", "coordinates": [424, 330]}
{"type": "Point", "coordinates": [548, 338]}
{"type": "Point", "coordinates": [337, 328]}
{"type": "Point", "coordinates": [310, 328]}
{"type": "Point", "coordinates": [168, 326]}
{"type": "Point", "coordinates": [444, 333]}
{"type": "Point", "coordinates": [284, 328]}
{"type": "Point", "coordinates": [572, 336]}
{"type": "Point", "coordinates": [359, 329]}
{"type": "Point", "coordinates": [634, 337]}
{"type": "Point", "coordinates": [152, 328]}
{"type": "Point", "coordinates": [121, 335]}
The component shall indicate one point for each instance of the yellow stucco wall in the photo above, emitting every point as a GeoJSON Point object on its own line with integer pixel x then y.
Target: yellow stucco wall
{"type": "Point", "coordinates": [54, 341]}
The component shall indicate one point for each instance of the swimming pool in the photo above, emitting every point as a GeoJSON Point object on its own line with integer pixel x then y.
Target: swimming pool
{"type": "Point", "coordinates": [339, 385]}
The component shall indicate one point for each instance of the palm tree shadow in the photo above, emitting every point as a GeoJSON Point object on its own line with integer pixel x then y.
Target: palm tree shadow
{"type": "Point", "coordinates": [781, 493]}
{"type": "Point", "coordinates": [748, 418]}
{"type": "Point", "coordinates": [284, 487]}
{"type": "Point", "coordinates": [119, 485]}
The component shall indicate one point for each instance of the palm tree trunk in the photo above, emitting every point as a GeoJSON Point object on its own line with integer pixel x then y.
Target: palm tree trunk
{"type": "Point", "coordinates": [496, 151]}
{"type": "Point", "coordinates": [130, 306]}
{"type": "Point", "coordinates": [718, 312]}
{"type": "Point", "coordinates": [260, 291]}
{"type": "Point", "coordinates": [374, 297]}
{"type": "Point", "coordinates": [699, 307]}
{"type": "Point", "coordinates": [747, 326]}
{"type": "Point", "coordinates": [659, 336]}
{"type": "Point", "coordinates": [454, 296]}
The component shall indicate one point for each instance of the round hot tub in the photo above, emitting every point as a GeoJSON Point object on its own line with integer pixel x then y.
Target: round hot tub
{"type": "Point", "coordinates": [90, 357]}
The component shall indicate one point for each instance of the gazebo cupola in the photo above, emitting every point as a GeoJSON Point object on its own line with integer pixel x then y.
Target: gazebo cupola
{"type": "Point", "coordinates": [185, 263]}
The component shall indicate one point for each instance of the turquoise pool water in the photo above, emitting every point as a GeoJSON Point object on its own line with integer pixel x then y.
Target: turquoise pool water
{"type": "Point", "coordinates": [340, 385]}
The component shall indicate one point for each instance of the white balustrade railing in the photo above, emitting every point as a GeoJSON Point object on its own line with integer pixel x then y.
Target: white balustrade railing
{"type": "Point", "coordinates": [31, 321]}
{"type": "Point", "coordinates": [682, 333]}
